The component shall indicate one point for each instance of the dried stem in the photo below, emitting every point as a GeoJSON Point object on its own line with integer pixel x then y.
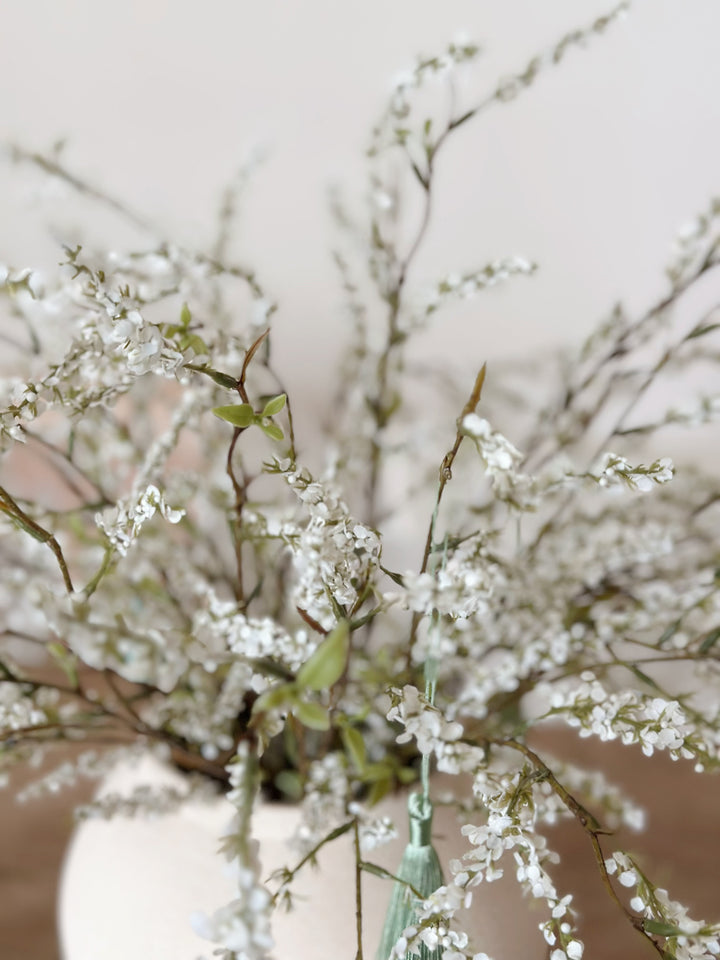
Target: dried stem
{"type": "Point", "coordinates": [445, 475]}
{"type": "Point", "coordinates": [9, 506]}
{"type": "Point", "coordinates": [591, 827]}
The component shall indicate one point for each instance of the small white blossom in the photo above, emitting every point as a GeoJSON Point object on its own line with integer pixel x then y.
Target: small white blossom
{"type": "Point", "coordinates": [123, 524]}
{"type": "Point", "coordinates": [422, 722]}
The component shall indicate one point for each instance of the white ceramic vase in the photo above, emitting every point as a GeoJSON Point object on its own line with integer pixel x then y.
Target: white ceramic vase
{"type": "Point", "coordinates": [130, 885]}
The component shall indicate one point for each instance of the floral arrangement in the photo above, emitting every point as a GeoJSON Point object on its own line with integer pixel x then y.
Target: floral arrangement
{"type": "Point", "coordinates": [202, 594]}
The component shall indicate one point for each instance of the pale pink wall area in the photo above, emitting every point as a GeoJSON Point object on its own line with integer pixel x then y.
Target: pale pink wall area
{"type": "Point", "coordinates": [590, 173]}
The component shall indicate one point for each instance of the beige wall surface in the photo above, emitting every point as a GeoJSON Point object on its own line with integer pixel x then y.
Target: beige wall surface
{"type": "Point", "coordinates": [590, 173]}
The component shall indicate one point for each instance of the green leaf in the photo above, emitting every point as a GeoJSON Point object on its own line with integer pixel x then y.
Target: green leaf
{"type": "Point", "coordinates": [378, 790]}
{"type": "Point", "coordinates": [702, 331]}
{"type": "Point", "coordinates": [376, 870]}
{"type": "Point", "coordinates": [192, 340]}
{"type": "Point", "coordinates": [272, 430]}
{"type": "Point", "coordinates": [313, 715]}
{"type": "Point", "coordinates": [278, 696]}
{"type": "Point", "coordinates": [384, 874]}
{"type": "Point", "coordinates": [339, 831]}
{"type": "Point", "coordinates": [661, 928]}
{"type": "Point", "coordinates": [641, 675]}
{"type": "Point", "coordinates": [669, 632]}
{"type": "Point", "coordinates": [710, 640]}
{"type": "Point", "coordinates": [375, 772]}
{"type": "Point", "coordinates": [220, 378]}
{"type": "Point", "coordinates": [185, 316]}
{"type": "Point", "coordinates": [395, 577]}
{"type": "Point", "coordinates": [355, 747]}
{"type": "Point", "coordinates": [289, 783]}
{"type": "Point", "coordinates": [238, 414]}
{"type": "Point", "coordinates": [274, 405]}
{"type": "Point", "coordinates": [327, 663]}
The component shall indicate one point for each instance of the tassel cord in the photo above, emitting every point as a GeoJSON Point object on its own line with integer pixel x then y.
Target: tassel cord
{"type": "Point", "coordinates": [420, 866]}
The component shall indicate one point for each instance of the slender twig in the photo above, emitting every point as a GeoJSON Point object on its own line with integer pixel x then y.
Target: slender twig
{"type": "Point", "coordinates": [9, 506]}
{"type": "Point", "coordinates": [591, 827]}
{"type": "Point", "coordinates": [358, 890]}
{"type": "Point", "coordinates": [240, 487]}
{"type": "Point", "coordinates": [68, 464]}
{"type": "Point", "coordinates": [289, 874]}
{"type": "Point", "coordinates": [445, 475]}
{"type": "Point", "coordinates": [55, 168]}
{"type": "Point", "coordinates": [520, 82]}
{"type": "Point", "coordinates": [240, 491]}
{"type": "Point", "coordinates": [618, 348]}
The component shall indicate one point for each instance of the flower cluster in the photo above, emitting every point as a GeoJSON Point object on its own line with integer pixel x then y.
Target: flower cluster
{"type": "Point", "coordinates": [652, 722]}
{"type": "Point", "coordinates": [467, 285]}
{"type": "Point", "coordinates": [222, 630]}
{"type": "Point", "coordinates": [422, 721]}
{"type": "Point", "coordinates": [614, 471]}
{"type": "Point", "coordinates": [334, 555]}
{"type": "Point", "coordinates": [19, 708]}
{"type": "Point", "coordinates": [499, 456]}
{"type": "Point", "coordinates": [241, 927]}
{"type": "Point", "coordinates": [685, 938]}
{"type": "Point", "coordinates": [325, 800]}
{"type": "Point", "coordinates": [123, 524]}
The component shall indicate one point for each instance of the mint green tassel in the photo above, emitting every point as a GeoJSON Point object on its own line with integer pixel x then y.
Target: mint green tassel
{"type": "Point", "coordinates": [421, 868]}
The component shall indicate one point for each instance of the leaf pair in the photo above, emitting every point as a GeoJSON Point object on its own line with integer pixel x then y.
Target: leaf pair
{"type": "Point", "coordinates": [243, 416]}
{"type": "Point", "coordinates": [320, 672]}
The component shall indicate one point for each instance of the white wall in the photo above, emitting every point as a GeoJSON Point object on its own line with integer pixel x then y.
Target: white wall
{"type": "Point", "coordinates": [590, 173]}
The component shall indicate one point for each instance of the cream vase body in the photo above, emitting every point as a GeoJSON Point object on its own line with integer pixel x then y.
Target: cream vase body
{"type": "Point", "coordinates": [130, 885]}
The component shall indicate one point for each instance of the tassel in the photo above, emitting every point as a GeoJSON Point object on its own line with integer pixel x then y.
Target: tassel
{"type": "Point", "coordinates": [420, 866]}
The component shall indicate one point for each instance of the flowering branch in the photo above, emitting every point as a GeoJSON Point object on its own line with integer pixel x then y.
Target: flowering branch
{"type": "Point", "coordinates": [591, 828]}
{"type": "Point", "coordinates": [9, 506]}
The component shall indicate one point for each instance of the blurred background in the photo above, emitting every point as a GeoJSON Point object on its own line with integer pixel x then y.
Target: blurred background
{"type": "Point", "coordinates": [590, 173]}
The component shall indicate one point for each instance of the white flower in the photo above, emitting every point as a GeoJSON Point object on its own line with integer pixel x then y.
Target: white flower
{"type": "Point", "coordinates": [574, 949]}
{"type": "Point", "coordinates": [422, 721]}
{"type": "Point", "coordinates": [242, 926]}
{"type": "Point", "coordinates": [123, 524]}
{"type": "Point", "coordinates": [614, 471]}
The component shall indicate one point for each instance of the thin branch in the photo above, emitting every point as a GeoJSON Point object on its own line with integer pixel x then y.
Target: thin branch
{"type": "Point", "coordinates": [591, 827]}
{"type": "Point", "coordinates": [69, 463]}
{"type": "Point", "coordinates": [55, 168]}
{"type": "Point", "coordinates": [289, 874]}
{"type": "Point", "coordinates": [240, 487]}
{"type": "Point", "coordinates": [358, 890]}
{"type": "Point", "coordinates": [445, 475]}
{"type": "Point", "coordinates": [9, 506]}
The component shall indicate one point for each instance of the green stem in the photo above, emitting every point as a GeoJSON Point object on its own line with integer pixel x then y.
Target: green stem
{"type": "Point", "coordinates": [289, 875]}
{"type": "Point", "coordinates": [358, 890]}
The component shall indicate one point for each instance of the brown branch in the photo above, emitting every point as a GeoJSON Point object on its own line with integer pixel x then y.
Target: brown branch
{"type": "Point", "coordinates": [445, 475]}
{"type": "Point", "coordinates": [240, 491]}
{"type": "Point", "coordinates": [240, 487]}
{"type": "Point", "coordinates": [11, 507]}
{"type": "Point", "coordinates": [591, 827]}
